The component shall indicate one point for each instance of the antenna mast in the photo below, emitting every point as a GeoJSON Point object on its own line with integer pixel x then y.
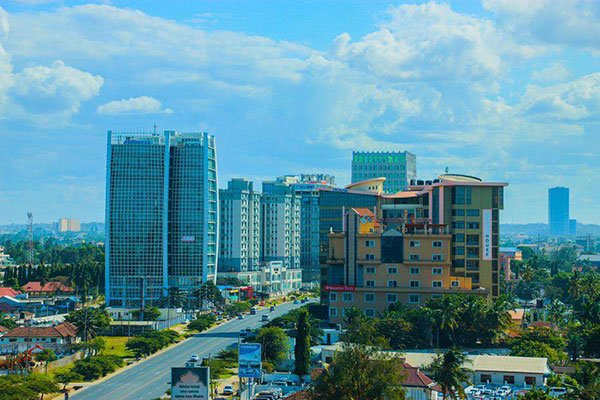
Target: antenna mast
{"type": "Point", "coordinates": [30, 237]}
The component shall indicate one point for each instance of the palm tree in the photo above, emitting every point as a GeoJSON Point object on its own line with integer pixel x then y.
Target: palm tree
{"type": "Point", "coordinates": [448, 371]}
{"type": "Point", "coordinates": [448, 315]}
{"type": "Point", "coordinates": [557, 311]}
{"type": "Point", "coordinates": [575, 286]}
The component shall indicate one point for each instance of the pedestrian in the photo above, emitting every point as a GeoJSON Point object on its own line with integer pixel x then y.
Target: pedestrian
{"type": "Point", "coordinates": [66, 395]}
{"type": "Point", "coordinates": [216, 390]}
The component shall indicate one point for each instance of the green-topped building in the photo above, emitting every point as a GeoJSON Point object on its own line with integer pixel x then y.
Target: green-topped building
{"type": "Point", "coordinates": [398, 167]}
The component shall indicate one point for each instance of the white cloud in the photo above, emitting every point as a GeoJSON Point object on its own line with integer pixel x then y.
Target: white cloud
{"type": "Point", "coordinates": [133, 105]}
{"type": "Point", "coordinates": [552, 73]}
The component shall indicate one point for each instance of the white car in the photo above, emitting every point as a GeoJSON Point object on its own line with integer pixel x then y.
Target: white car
{"type": "Point", "coordinates": [279, 383]}
{"type": "Point", "coordinates": [507, 389]}
{"type": "Point", "coordinates": [228, 390]}
{"type": "Point", "coordinates": [557, 391]}
{"type": "Point", "coordinates": [194, 358]}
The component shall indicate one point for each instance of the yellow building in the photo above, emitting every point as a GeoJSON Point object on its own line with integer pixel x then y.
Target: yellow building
{"type": "Point", "coordinates": [372, 266]}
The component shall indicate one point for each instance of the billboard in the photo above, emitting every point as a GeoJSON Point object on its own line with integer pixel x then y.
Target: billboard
{"type": "Point", "coordinates": [249, 360]}
{"type": "Point", "coordinates": [190, 383]}
{"type": "Point", "coordinates": [339, 288]}
{"type": "Point", "coordinates": [486, 233]}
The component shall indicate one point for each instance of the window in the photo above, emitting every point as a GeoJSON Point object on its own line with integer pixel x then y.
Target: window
{"type": "Point", "coordinates": [333, 296]}
{"type": "Point", "coordinates": [509, 379]}
{"type": "Point", "coordinates": [414, 298]}
{"type": "Point", "coordinates": [370, 283]}
{"type": "Point", "coordinates": [486, 378]}
{"type": "Point", "coordinates": [369, 297]}
{"type": "Point", "coordinates": [459, 237]}
{"type": "Point", "coordinates": [472, 252]}
{"type": "Point", "coordinates": [458, 251]}
{"type": "Point", "coordinates": [473, 240]}
{"type": "Point", "coordinates": [414, 257]}
{"type": "Point", "coordinates": [457, 212]}
{"type": "Point", "coordinates": [437, 243]}
{"type": "Point", "coordinates": [347, 297]}
{"type": "Point", "coordinates": [369, 256]}
{"type": "Point", "coordinates": [436, 271]}
{"type": "Point", "coordinates": [392, 270]}
{"type": "Point", "coordinates": [454, 283]}
{"type": "Point", "coordinates": [473, 212]}
{"type": "Point", "coordinates": [436, 284]}
{"type": "Point", "coordinates": [472, 265]}
{"type": "Point", "coordinates": [332, 312]}
{"type": "Point", "coordinates": [472, 225]}
{"type": "Point", "coordinates": [345, 311]}
{"type": "Point", "coordinates": [391, 297]}
{"type": "Point", "coordinates": [437, 257]}
{"type": "Point", "coordinates": [369, 312]}
{"type": "Point", "coordinates": [415, 270]}
{"type": "Point", "coordinates": [370, 270]}
{"type": "Point", "coordinates": [392, 283]}
{"type": "Point", "coordinates": [415, 243]}
{"type": "Point", "coordinates": [530, 380]}
{"type": "Point", "coordinates": [458, 225]}
{"type": "Point", "coordinates": [415, 283]}
{"type": "Point", "coordinates": [369, 243]}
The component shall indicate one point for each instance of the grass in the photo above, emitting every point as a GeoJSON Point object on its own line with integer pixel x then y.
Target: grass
{"type": "Point", "coordinates": [115, 345]}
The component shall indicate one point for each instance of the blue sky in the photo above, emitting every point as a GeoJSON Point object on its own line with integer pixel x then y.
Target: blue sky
{"type": "Point", "coordinates": [503, 89]}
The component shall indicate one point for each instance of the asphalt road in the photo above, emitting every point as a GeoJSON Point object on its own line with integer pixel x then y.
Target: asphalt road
{"type": "Point", "coordinates": [149, 379]}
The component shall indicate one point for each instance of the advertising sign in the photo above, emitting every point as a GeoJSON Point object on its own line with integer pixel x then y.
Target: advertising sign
{"type": "Point", "coordinates": [486, 233]}
{"type": "Point", "coordinates": [249, 360]}
{"type": "Point", "coordinates": [188, 239]}
{"type": "Point", "coordinates": [338, 288]}
{"type": "Point", "coordinates": [190, 383]}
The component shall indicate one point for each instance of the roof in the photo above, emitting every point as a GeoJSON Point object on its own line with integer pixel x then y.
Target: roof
{"type": "Point", "coordinates": [589, 257]}
{"type": "Point", "coordinates": [459, 178]}
{"type": "Point", "coordinates": [302, 395]}
{"type": "Point", "coordinates": [532, 365]}
{"type": "Point", "coordinates": [366, 182]}
{"type": "Point", "coordinates": [46, 287]}
{"type": "Point", "coordinates": [402, 195]}
{"type": "Point", "coordinates": [3, 329]}
{"type": "Point", "coordinates": [8, 291]}
{"type": "Point", "coordinates": [415, 378]}
{"type": "Point", "coordinates": [364, 211]}
{"type": "Point", "coordinates": [517, 314]}
{"type": "Point", "coordinates": [65, 329]}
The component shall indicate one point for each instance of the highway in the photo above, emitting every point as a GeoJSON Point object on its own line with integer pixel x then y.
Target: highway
{"type": "Point", "coordinates": [149, 379]}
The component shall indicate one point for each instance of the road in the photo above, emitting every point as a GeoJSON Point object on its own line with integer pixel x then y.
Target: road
{"type": "Point", "coordinates": [149, 378]}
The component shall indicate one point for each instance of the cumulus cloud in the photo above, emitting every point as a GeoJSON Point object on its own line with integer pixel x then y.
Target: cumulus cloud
{"type": "Point", "coordinates": [552, 73]}
{"type": "Point", "coordinates": [133, 105]}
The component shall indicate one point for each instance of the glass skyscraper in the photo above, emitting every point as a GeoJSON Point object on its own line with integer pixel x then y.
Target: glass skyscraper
{"type": "Point", "coordinates": [397, 167]}
{"type": "Point", "coordinates": [161, 214]}
{"type": "Point", "coordinates": [558, 211]}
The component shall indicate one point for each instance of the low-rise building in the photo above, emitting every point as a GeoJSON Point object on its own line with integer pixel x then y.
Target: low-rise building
{"type": "Point", "coordinates": [506, 256]}
{"type": "Point", "coordinates": [272, 278]}
{"type": "Point", "coordinates": [57, 338]}
{"type": "Point", "coordinates": [372, 267]}
{"type": "Point", "coordinates": [47, 289]}
{"type": "Point", "coordinates": [418, 386]}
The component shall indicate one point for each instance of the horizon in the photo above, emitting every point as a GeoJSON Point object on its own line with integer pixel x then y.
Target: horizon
{"type": "Point", "coordinates": [506, 92]}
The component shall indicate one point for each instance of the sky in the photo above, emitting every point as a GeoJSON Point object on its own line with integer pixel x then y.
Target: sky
{"type": "Point", "coordinates": [507, 90]}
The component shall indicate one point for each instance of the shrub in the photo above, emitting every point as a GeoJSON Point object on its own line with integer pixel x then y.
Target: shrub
{"type": "Point", "coordinates": [94, 367]}
{"type": "Point", "coordinates": [203, 322]}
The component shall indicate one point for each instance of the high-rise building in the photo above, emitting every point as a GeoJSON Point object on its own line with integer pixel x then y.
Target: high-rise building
{"type": "Point", "coordinates": [239, 233]}
{"type": "Point", "coordinates": [68, 225]}
{"type": "Point", "coordinates": [280, 225]}
{"type": "Point", "coordinates": [573, 227]}
{"type": "Point", "coordinates": [397, 167]}
{"type": "Point", "coordinates": [161, 214]}
{"type": "Point", "coordinates": [558, 211]}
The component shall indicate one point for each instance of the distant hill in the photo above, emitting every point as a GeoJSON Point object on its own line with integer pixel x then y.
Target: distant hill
{"type": "Point", "coordinates": [542, 229]}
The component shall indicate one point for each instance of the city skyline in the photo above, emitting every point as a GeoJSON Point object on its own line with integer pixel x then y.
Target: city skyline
{"type": "Point", "coordinates": [511, 94]}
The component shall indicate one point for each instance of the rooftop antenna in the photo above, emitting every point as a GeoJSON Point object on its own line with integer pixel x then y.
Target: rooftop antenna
{"type": "Point", "coordinates": [155, 129]}
{"type": "Point", "coordinates": [447, 170]}
{"type": "Point", "coordinates": [30, 237]}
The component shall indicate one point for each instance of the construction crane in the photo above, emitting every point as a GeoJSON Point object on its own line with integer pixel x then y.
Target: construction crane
{"type": "Point", "coordinates": [30, 237]}
{"type": "Point", "coordinates": [20, 361]}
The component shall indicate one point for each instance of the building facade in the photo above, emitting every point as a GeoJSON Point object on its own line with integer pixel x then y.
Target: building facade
{"type": "Point", "coordinates": [280, 225]}
{"type": "Point", "coordinates": [161, 214]}
{"type": "Point", "coordinates": [399, 168]}
{"type": "Point", "coordinates": [239, 233]}
{"type": "Point", "coordinates": [558, 211]}
{"type": "Point", "coordinates": [68, 225]}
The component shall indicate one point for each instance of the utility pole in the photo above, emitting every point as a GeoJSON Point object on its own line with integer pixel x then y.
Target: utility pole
{"type": "Point", "coordinates": [30, 238]}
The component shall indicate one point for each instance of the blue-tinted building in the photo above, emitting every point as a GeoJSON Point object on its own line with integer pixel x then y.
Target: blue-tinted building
{"type": "Point", "coordinates": [161, 214]}
{"type": "Point", "coordinates": [558, 211]}
{"type": "Point", "coordinates": [398, 167]}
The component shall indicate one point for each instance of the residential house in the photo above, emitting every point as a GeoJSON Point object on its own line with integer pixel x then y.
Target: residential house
{"type": "Point", "coordinates": [57, 338]}
{"type": "Point", "coordinates": [48, 289]}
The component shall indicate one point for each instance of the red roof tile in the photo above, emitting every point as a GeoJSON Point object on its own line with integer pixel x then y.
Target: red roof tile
{"type": "Point", "coordinates": [3, 329]}
{"type": "Point", "coordinates": [49, 287]}
{"type": "Point", "coordinates": [65, 329]}
{"type": "Point", "coordinates": [8, 291]}
{"type": "Point", "coordinates": [414, 377]}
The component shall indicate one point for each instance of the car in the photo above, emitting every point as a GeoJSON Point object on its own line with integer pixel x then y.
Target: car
{"type": "Point", "coordinates": [557, 391]}
{"type": "Point", "coordinates": [506, 388]}
{"type": "Point", "coordinates": [228, 390]}
{"type": "Point", "coordinates": [272, 308]}
{"type": "Point", "coordinates": [277, 392]}
{"type": "Point", "coordinates": [264, 318]}
{"type": "Point", "coordinates": [194, 358]}
{"type": "Point", "coordinates": [279, 383]}
{"type": "Point", "coordinates": [253, 310]}
{"type": "Point", "coordinates": [487, 392]}
{"type": "Point", "coordinates": [240, 316]}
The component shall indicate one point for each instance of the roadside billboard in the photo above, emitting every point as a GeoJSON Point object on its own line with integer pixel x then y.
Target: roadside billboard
{"type": "Point", "coordinates": [486, 233]}
{"type": "Point", "coordinates": [190, 383]}
{"type": "Point", "coordinates": [249, 360]}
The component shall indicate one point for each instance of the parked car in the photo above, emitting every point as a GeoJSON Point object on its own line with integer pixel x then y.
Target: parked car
{"type": "Point", "coordinates": [253, 310]}
{"type": "Point", "coordinates": [194, 358]}
{"type": "Point", "coordinates": [240, 316]}
{"type": "Point", "coordinates": [272, 308]}
{"type": "Point", "coordinates": [265, 318]}
{"type": "Point", "coordinates": [557, 391]}
{"type": "Point", "coordinates": [228, 390]}
{"type": "Point", "coordinates": [279, 383]}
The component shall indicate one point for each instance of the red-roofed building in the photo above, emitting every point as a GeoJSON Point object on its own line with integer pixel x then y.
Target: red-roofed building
{"type": "Point", "coordinates": [57, 337]}
{"type": "Point", "coordinates": [8, 291]}
{"type": "Point", "coordinates": [47, 289]}
{"type": "Point", "coordinates": [418, 385]}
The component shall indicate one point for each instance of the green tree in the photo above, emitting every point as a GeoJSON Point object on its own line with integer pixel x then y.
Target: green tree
{"type": "Point", "coordinates": [140, 347]}
{"type": "Point", "coordinates": [362, 330]}
{"type": "Point", "coordinates": [449, 372]}
{"type": "Point", "coordinates": [302, 346]}
{"type": "Point", "coordinates": [64, 377]}
{"type": "Point", "coordinates": [150, 313]}
{"type": "Point", "coordinates": [46, 356]}
{"type": "Point", "coordinates": [202, 322]}
{"type": "Point", "coordinates": [575, 344]}
{"type": "Point", "coordinates": [557, 311]}
{"type": "Point", "coordinates": [89, 321]}
{"type": "Point", "coordinates": [274, 343]}
{"type": "Point", "coordinates": [587, 375]}
{"type": "Point", "coordinates": [359, 373]}
{"type": "Point", "coordinates": [535, 394]}
{"type": "Point", "coordinates": [40, 384]}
